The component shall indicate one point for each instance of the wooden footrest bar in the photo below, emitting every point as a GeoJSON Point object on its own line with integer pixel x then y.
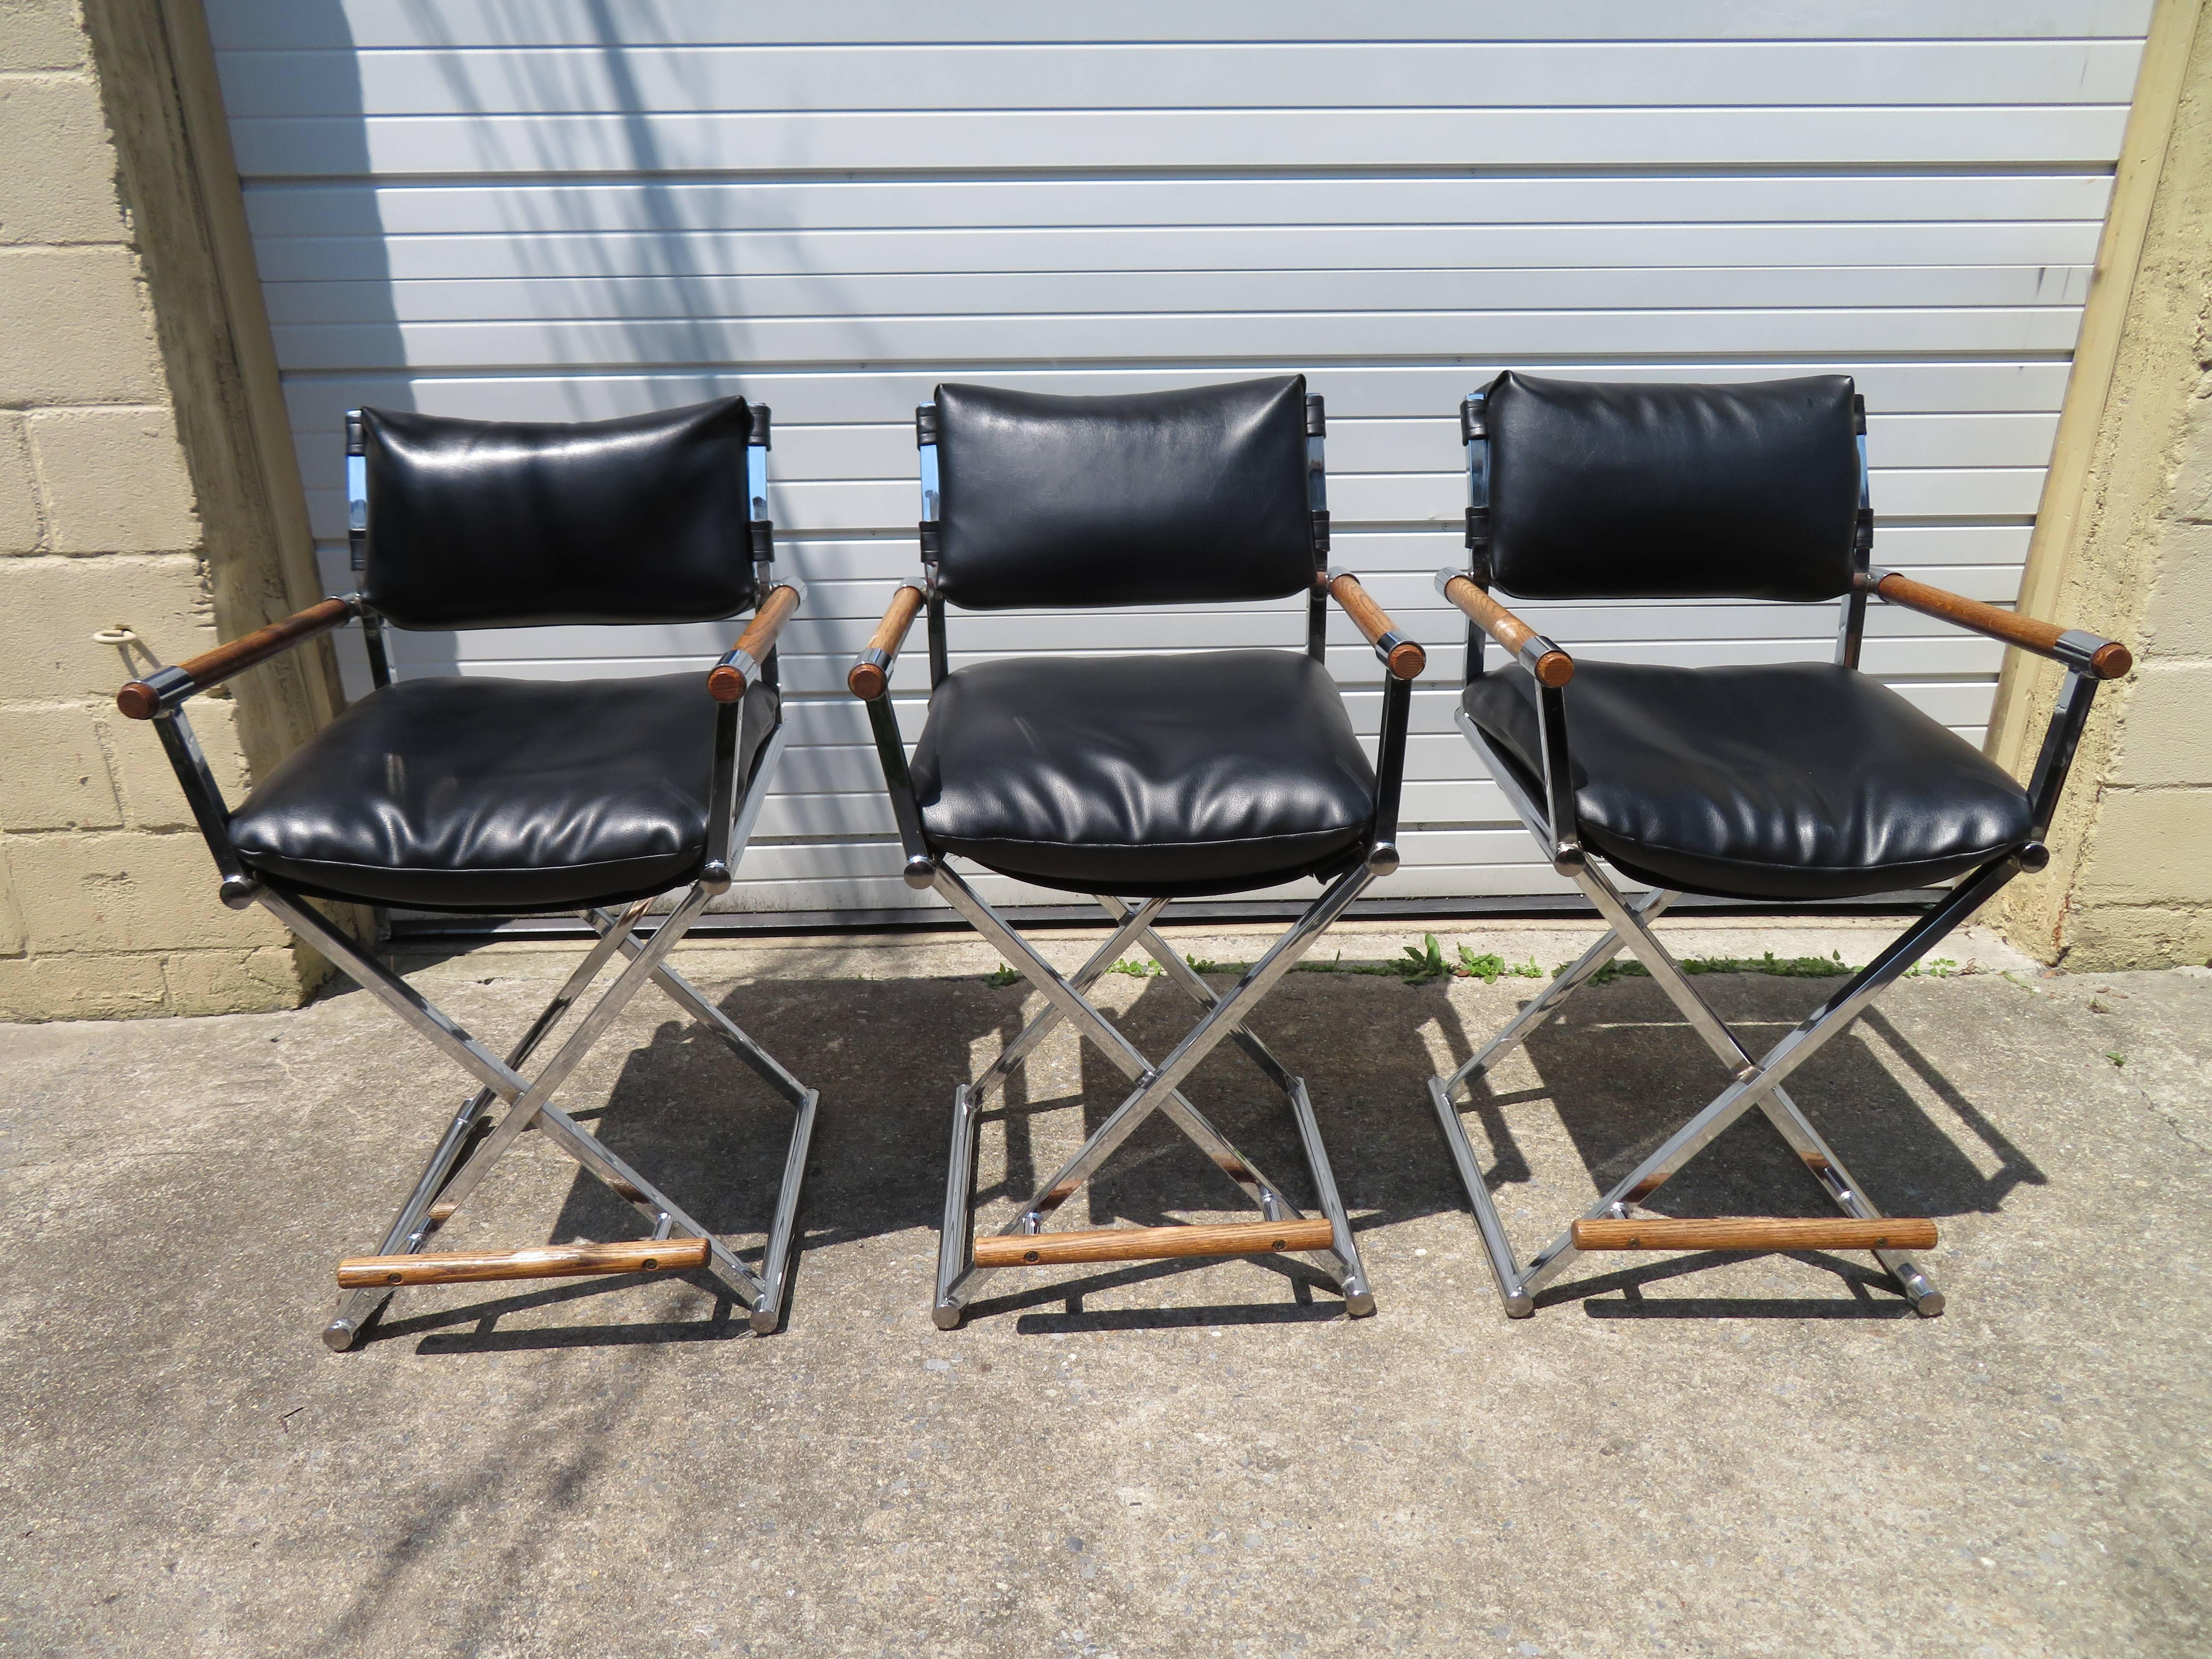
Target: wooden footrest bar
{"type": "Point", "coordinates": [643, 1255]}
{"type": "Point", "coordinates": [1755, 1232]}
{"type": "Point", "coordinates": [1151, 1243]}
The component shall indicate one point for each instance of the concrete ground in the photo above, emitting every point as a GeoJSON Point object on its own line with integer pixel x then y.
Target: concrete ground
{"type": "Point", "coordinates": [1765, 1455]}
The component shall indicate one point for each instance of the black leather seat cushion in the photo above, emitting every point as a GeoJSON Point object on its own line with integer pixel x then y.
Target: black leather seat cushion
{"type": "Point", "coordinates": [1795, 780]}
{"type": "Point", "coordinates": [499, 795]}
{"type": "Point", "coordinates": [1216, 772]}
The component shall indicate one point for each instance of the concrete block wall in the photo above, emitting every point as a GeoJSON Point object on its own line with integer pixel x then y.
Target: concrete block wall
{"type": "Point", "coordinates": [108, 903]}
{"type": "Point", "coordinates": [2129, 883]}
{"type": "Point", "coordinates": [2142, 894]}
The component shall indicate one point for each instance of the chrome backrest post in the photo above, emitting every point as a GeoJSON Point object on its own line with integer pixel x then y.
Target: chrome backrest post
{"type": "Point", "coordinates": [1851, 627]}
{"type": "Point", "coordinates": [357, 478]}
{"type": "Point", "coordinates": [1317, 505]}
{"type": "Point", "coordinates": [759, 525]}
{"type": "Point", "coordinates": [925, 428]}
{"type": "Point", "coordinates": [1475, 433]}
{"type": "Point", "coordinates": [357, 483]}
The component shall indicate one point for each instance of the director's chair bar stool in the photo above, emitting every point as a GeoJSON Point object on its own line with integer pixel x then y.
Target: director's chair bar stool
{"type": "Point", "coordinates": [1786, 783]}
{"type": "Point", "coordinates": [495, 796]}
{"type": "Point", "coordinates": [1138, 780]}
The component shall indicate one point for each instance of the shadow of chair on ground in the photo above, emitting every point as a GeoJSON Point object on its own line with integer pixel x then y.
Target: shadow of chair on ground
{"type": "Point", "coordinates": [1618, 1070]}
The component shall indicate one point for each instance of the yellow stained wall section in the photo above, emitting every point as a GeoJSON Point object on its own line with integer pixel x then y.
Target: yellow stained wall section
{"type": "Point", "coordinates": [2129, 883]}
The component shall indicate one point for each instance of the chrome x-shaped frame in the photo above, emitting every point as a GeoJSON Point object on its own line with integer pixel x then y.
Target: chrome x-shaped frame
{"type": "Point", "coordinates": [1756, 1082]}
{"type": "Point", "coordinates": [1156, 1089]}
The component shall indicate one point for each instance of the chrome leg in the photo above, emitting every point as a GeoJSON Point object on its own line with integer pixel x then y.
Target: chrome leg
{"type": "Point", "coordinates": [776, 1259]}
{"type": "Point", "coordinates": [1125, 1056]}
{"type": "Point", "coordinates": [1780, 1110]}
{"type": "Point", "coordinates": [1156, 1084]}
{"type": "Point", "coordinates": [1351, 1274]}
{"type": "Point", "coordinates": [1825, 1022]}
{"type": "Point", "coordinates": [648, 1199]}
{"type": "Point", "coordinates": [586, 971]}
{"type": "Point", "coordinates": [1523, 1024]}
{"type": "Point", "coordinates": [530, 1099]}
{"type": "Point", "coordinates": [1083, 979]}
{"type": "Point", "coordinates": [412, 1229]}
{"type": "Point", "coordinates": [767, 1304]}
{"type": "Point", "coordinates": [956, 1229]}
{"type": "Point", "coordinates": [1495, 1243]}
{"type": "Point", "coordinates": [409, 1229]}
{"type": "Point", "coordinates": [1835, 1181]}
{"type": "Point", "coordinates": [1338, 1266]}
{"type": "Point", "coordinates": [1156, 1090]}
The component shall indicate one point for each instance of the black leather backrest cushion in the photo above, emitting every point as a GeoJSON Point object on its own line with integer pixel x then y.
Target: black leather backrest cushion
{"type": "Point", "coordinates": [515, 524]}
{"type": "Point", "coordinates": [1161, 498]}
{"type": "Point", "coordinates": [1611, 490]}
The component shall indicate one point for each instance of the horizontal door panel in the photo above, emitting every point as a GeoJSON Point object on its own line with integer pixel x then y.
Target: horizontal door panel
{"type": "Point", "coordinates": [700, 297]}
{"type": "Point", "coordinates": [554, 80]}
{"type": "Point", "coordinates": [307, 147]}
{"type": "Point", "coordinates": [270, 25]}
{"type": "Point", "coordinates": [876, 396]}
{"type": "Point", "coordinates": [1961, 332]}
{"type": "Point", "coordinates": [793, 212]}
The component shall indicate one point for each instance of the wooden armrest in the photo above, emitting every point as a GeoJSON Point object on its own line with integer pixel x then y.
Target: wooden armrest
{"type": "Point", "coordinates": [1551, 666]}
{"type": "Point", "coordinates": [2106, 658]}
{"type": "Point", "coordinates": [1401, 656]}
{"type": "Point", "coordinates": [143, 699]}
{"type": "Point", "coordinates": [872, 675]}
{"type": "Point", "coordinates": [728, 679]}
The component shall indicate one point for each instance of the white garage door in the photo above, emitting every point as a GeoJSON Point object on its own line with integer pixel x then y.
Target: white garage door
{"type": "Point", "coordinates": [575, 209]}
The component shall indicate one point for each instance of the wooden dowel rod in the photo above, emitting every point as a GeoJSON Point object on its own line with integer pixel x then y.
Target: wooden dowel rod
{"type": "Point", "coordinates": [1755, 1232]}
{"type": "Point", "coordinates": [869, 681]}
{"type": "Point", "coordinates": [2111, 660]}
{"type": "Point", "coordinates": [543, 1261]}
{"type": "Point", "coordinates": [726, 684]}
{"type": "Point", "coordinates": [141, 702]}
{"type": "Point", "coordinates": [1407, 658]}
{"type": "Point", "coordinates": [1554, 668]}
{"type": "Point", "coordinates": [1151, 1243]}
